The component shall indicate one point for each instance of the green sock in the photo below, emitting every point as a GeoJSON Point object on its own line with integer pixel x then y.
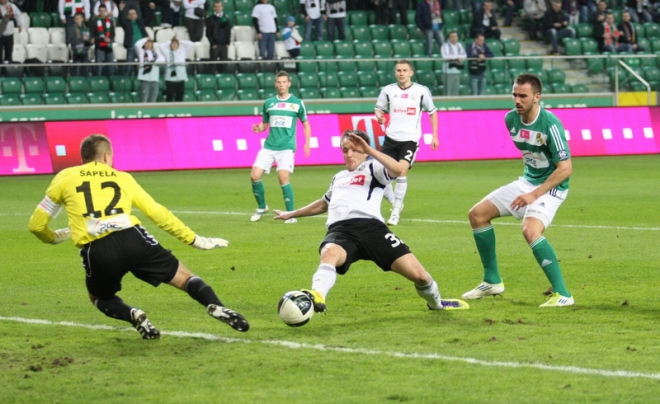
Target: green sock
{"type": "Point", "coordinates": [287, 192]}
{"type": "Point", "coordinates": [485, 239]}
{"type": "Point", "coordinates": [547, 259]}
{"type": "Point", "coordinates": [259, 194]}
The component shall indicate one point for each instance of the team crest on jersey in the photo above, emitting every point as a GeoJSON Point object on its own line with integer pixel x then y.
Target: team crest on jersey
{"type": "Point", "coordinates": [540, 139]}
{"type": "Point", "coordinates": [524, 134]}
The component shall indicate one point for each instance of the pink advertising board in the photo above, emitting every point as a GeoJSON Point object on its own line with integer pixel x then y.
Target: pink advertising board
{"type": "Point", "coordinates": [228, 142]}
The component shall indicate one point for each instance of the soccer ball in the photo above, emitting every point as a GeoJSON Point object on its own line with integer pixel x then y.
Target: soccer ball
{"type": "Point", "coordinates": [295, 308]}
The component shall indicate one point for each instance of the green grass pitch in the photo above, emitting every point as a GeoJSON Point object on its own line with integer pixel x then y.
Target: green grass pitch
{"type": "Point", "coordinates": [378, 343]}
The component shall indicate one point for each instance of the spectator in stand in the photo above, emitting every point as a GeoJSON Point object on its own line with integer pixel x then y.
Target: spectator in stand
{"type": "Point", "coordinates": [463, 4]}
{"type": "Point", "coordinates": [134, 30]}
{"type": "Point", "coordinates": [599, 15]}
{"type": "Point", "coordinates": [510, 8]}
{"type": "Point", "coordinates": [336, 12]}
{"type": "Point", "coordinates": [68, 9]}
{"type": "Point", "coordinates": [174, 52]}
{"type": "Point", "coordinates": [572, 9]}
{"type": "Point", "coordinates": [264, 19]}
{"type": "Point", "coordinates": [102, 29]}
{"type": "Point", "coordinates": [80, 42]}
{"type": "Point", "coordinates": [454, 55]}
{"type": "Point", "coordinates": [292, 38]}
{"type": "Point", "coordinates": [628, 33]}
{"type": "Point", "coordinates": [428, 18]}
{"type": "Point", "coordinates": [314, 13]}
{"type": "Point", "coordinates": [401, 7]}
{"type": "Point", "coordinates": [380, 7]}
{"type": "Point", "coordinates": [218, 32]}
{"type": "Point", "coordinates": [478, 51]}
{"type": "Point", "coordinates": [111, 8]}
{"type": "Point", "coordinates": [174, 13]}
{"type": "Point", "coordinates": [556, 26]}
{"type": "Point", "coordinates": [608, 35]}
{"type": "Point", "coordinates": [534, 11]}
{"type": "Point", "coordinates": [484, 21]}
{"type": "Point", "coordinates": [10, 22]}
{"type": "Point", "coordinates": [194, 18]}
{"type": "Point", "coordinates": [640, 10]}
{"type": "Point", "coordinates": [149, 71]}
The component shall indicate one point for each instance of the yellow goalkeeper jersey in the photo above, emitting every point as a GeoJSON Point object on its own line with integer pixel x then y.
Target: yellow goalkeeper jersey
{"type": "Point", "coordinates": [98, 201]}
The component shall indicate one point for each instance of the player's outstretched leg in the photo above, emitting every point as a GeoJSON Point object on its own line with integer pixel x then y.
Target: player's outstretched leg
{"type": "Point", "coordinates": [399, 195]}
{"type": "Point", "coordinates": [204, 294]}
{"type": "Point", "coordinates": [547, 259]}
{"type": "Point", "coordinates": [115, 307]}
{"type": "Point", "coordinates": [287, 194]}
{"type": "Point", "coordinates": [484, 238]}
{"type": "Point", "coordinates": [143, 325]}
{"type": "Point", "coordinates": [323, 280]}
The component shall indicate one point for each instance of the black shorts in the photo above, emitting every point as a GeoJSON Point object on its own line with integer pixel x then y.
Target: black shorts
{"type": "Point", "coordinates": [365, 239]}
{"type": "Point", "coordinates": [134, 250]}
{"type": "Point", "coordinates": [400, 150]}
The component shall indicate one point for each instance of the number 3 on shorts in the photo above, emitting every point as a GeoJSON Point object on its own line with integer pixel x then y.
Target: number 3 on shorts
{"type": "Point", "coordinates": [393, 239]}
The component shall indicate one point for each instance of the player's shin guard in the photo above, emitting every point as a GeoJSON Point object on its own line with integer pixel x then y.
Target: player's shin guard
{"type": "Point", "coordinates": [259, 193]}
{"type": "Point", "coordinates": [400, 190]}
{"type": "Point", "coordinates": [114, 307]}
{"type": "Point", "coordinates": [287, 193]}
{"type": "Point", "coordinates": [324, 279]}
{"type": "Point", "coordinates": [484, 237]}
{"type": "Point", "coordinates": [200, 291]}
{"type": "Point", "coordinates": [430, 293]}
{"type": "Point", "coordinates": [547, 259]}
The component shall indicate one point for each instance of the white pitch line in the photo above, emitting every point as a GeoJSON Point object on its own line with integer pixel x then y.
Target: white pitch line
{"type": "Point", "coordinates": [361, 351]}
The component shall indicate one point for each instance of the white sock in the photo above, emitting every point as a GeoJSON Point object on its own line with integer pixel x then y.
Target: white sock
{"type": "Point", "coordinates": [324, 279]}
{"type": "Point", "coordinates": [431, 294]}
{"type": "Point", "coordinates": [400, 190]}
{"type": "Point", "coordinates": [388, 193]}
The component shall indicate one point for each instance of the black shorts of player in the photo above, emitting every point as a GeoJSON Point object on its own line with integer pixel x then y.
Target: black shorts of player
{"type": "Point", "coordinates": [134, 250]}
{"type": "Point", "coordinates": [400, 150]}
{"type": "Point", "coordinates": [365, 239]}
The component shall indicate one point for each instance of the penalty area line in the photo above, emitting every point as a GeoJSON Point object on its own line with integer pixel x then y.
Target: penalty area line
{"type": "Point", "coordinates": [360, 351]}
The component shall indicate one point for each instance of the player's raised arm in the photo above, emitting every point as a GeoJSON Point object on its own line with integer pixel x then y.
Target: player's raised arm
{"type": "Point", "coordinates": [394, 168]}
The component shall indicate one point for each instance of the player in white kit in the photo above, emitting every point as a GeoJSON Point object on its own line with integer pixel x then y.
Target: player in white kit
{"type": "Point", "coordinates": [404, 101]}
{"type": "Point", "coordinates": [356, 230]}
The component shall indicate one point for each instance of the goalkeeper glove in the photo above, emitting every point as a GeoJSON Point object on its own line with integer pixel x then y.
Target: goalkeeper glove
{"type": "Point", "coordinates": [209, 243]}
{"type": "Point", "coordinates": [61, 235]}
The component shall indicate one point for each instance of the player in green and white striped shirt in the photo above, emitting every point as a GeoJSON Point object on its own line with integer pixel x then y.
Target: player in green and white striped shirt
{"type": "Point", "coordinates": [535, 197]}
{"type": "Point", "coordinates": [280, 114]}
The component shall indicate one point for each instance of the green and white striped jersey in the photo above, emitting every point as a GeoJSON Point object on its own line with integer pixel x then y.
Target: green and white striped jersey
{"type": "Point", "coordinates": [281, 115]}
{"type": "Point", "coordinates": [542, 143]}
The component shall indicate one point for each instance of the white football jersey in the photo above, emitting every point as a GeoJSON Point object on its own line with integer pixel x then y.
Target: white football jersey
{"type": "Point", "coordinates": [405, 109]}
{"type": "Point", "coordinates": [357, 194]}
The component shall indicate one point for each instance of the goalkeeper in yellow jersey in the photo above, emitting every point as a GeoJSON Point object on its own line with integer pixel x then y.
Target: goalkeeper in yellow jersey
{"type": "Point", "coordinates": [98, 201]}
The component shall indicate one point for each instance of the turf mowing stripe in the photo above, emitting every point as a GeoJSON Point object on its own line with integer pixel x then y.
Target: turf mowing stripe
{"type": "Point", "coordinates": [327, 348]}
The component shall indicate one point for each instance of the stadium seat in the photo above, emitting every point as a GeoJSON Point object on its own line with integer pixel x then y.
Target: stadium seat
{"type": "Point", "coordinates": [572, 47]}
{"type": "Point", "coordinates": [343, 49]}
{"type": "Point", "coordinates": [206, 82]}
{"type": "Point", "coordinates": [55, 84]}
{"type": "Point", "coordinates": [34, 85]}
{"type": "Point", "coordinates": [245, 6]}
{"type": "Point", "coordinates": [366, 79]}
{"type": "Point", "coordinates": [309, 93]}
{"type": "Point", "coordinates": [99, 98]}
{"type": "Point", "coordinates": [241, 18]}
{"type": "Point", "coordinates": [243, 33]}
{"type": "Point", "coordinates": [495, 46]}
{"type": "Point", "coordinates": [164, 35]}
{"type": "Point", "coordinates": [21, 38]}
{"type": "Point", "coordinates": [589, 45]}
{"type": "Point", "coordinates": [357, 18]}
{"type": "Point", "coordinates": [511, 47]}
{"type": "Point", "coordinates": [397, 32]}
{"type": "Point", "coordinates": [420, 64]}
{"type": "Point", "coordinates": [655, 45]}
{"type": "Point", "coordinates": [40, 19]}
{"type": "Point", "coordinates": [247, 94]}
{"type": "Point", "coordinates": [517, 64]}
{"type": "Point", "coordinates": [495, 64]}
{"type": "Point", "coordinates": [265, 80]}
{"type": "Point", "coordinates": [330, 92]}
{"type": "Point", "coordinates": [206, 95]}
{"type": "Point", "coordinates": [450, 18]}
{"type": "Point", "coordinates": [119, 98]}
{"type": "Point", "coordinates": [307, 65]}
{"type": "Point", "coordinates": [414, 34]}
{"type": "Point", "coordinates": [584, 30]}
{"type": "Point", "coordinates": [556, 76]}
{"type": "Point", "coordinates": [78, 84]}
{"type": "Point", "coordinates": [324, 48]}
{"type": "Point", "coordinates": [99, 84]}
{"type": "Point", "coordinates": [226, 94]}
{"type": "Point", "coordinates": [347, 79]}
{"type": "Point", "coordinates": [265, 93]}
{"type": "Point", "coordinates": [363, 49]}
{"type": "Point", "coordinates": [8, 100]}
{"type": "Point", "coordinates": [39, 35]}
{"type": "Point", "coordinates": [226, 81]}
{"type": "Point", "coordinates": [499, 77]}
{"type": "Point", "coordinates": [308, 80]}
{"type": "Point", "coordinates": [651, 30]}
{"type": "Point", "coordinates": [369, 92]}
{"type": "Point", "coordinates": [417, 47]}
{"type": "Point", "coordinates": [328, 80]}
{"type": "Point", "coordinates": [426, 78]}
{"type": "Point", "coordinates": [11, 86]}
{"type": "Point", "coordinates": [360, 34]}
{"type": "Point", "coordinates": [651, 74]}
{"type": "Point", "coordinates": [560, 88]}
{"type": "Point", "coordinates": [365, 65]}
{"type": "Point", "coordinates": [307, 49]}
{"type": "Point", "coordinates": [380, 48]}
{"type": "Point", "coordinates": [349, 92]}
{"type": "Point", "coordinates": [386, 65]}
{"type": "Point", "coordinates": [295, 82]}
{"type": "Point", "coordinates": [401, 48]}
{"type": "Point", "coordinates": [379, 32]}
{"type": "Point", "coordinates": [76, 98]}
{"type": "Point", "coordinates": [122, 84]}
{"type": "Point", "coordinates": [37, 51]}
{"type": "Point", "coordinates": [534, 62]}
{"type": "Point", "coordinates": [31, 99]}
{"type": "Point", "coordinates": [579, 88]}
{"type": "Point", "coordinates": [465, 16]}
{"type": "Point", "coordinates": [247, 81]}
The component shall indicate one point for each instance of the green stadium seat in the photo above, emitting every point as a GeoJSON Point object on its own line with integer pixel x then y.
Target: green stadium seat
{"type": "Point", "coordinates": [349, 92]}
{"type": "Point", "coordinates": [495, 46]}
{"type": "Point", "coordinates": [414, 33]}
{"type": "Point", "coordinates": [401, 48]}
{"type": "Point", "coordinates": [308, 80]}
{"type": "Point", "coordinates": [369, 92]}
{"type": "Point", "coordinates": [119, 98]}
{"type": "Point", "coordinates": [579, 88]}
{"type": "Point", "coordinates": [11, 86]}
{"type": "Point", "coordinates": [466, 16]}
{"type": "Point", "coordinates": [426, 78]}
{"type": "Point", "coordinates": [397, 32]}
{"type": "Point", "coordinates": [517, 64]}
{"type": "Point", "coordinates": [420, 64]}
{"type": "Point", "coordinates": [367, 65]}
{"type": "Point", "coordinates": [40, 20]}
{"type": "Point", "coordinates": [560, 88]}
{"type": "Point", "coordinates": [247, 81]}
{"type": "Point", "coordinates": [367, 79]}
{"type": "Point", "coordinates": [572, 47]}
{"type": "Point", "coordinates": [34, 85]}
{"type": "Point", "coordinates": [490, 90]}
{"type": "Point", "coordinates": [464, 89]}
{"type": "Point", "coordinates": [54, 99]}
{"type": "Point", "coordinates": [122, 84]}
{"type": "Point", "coordinates": [637, 86]}
{"type": "Point", "coordinates": [534, 62]}
{"type": "Point", "coordinates": [344, 66]}
{"type": "Point", "coordinates": [357, 18]}
{"type": "Point", "coordinates": [226, 81]}
{"type": "Point", "coordinates": [379, 32]}
{"type": "Point", "coordinates": [511, 47]}
{"type": "Point", "coordinates": [205, 82]}
{"type": "Point", "coordinates": [655, 45]}
{"type": "Point", "coordinates": [495, 64]}
{"type": "Point", "coordinates": [226, 94]}
{"type": "Point", "coordinates": [499, 77]}
{"type": "Point", "coordinates": [247, 94]}
{"type": "Point", "coordinates": [241, 18]}
{"type": "Point", "coordinates": [584, 30]}
{"type": "Point", "coordinates": [363, 49]}
{"type": "Point", "coordinates": [360, 34]}
{"type": "Point", "coordinates": [384, 77]}
{"type": "Point", "coordinates": [540, 73]}
{"type": "Point", "coordinates": [330, 92]}
{"type": "Point", "coordinates": [417, 47]}
{"type": "Point", "coordinates": [265, 93]}
{"type": "Point", "coordinates": [306, 65]}
{"type": "Point", "coordinates": [264, 80]}
{"type": "Point", "coordinates": [381, 48]}
{"type": "Point", "coordinates": [244, 6]}
{"type": "Point", "coordinates": [450, 18]}
{"type": "Point", "coordinates": [309, 93]}
{"type": "Point", "coordinates": [411, 15]}
{"type": "Point", "coordinates": [307, 49]}
{"type": "Point", "coordinates": [324, 48]}
{"type": "Point", "coordinates": [438, 76]}
{"type": "Point", "coordinates": [8, 100]}
{"type": "Point", "coordinates": [31, 99]}
{"type": "Point", "coordinates": [501, 89]}
{"type": "Point", "coordinates": [347, 79]}
{"type": "Point", "coordinates": [76, 98]}
{"type": "Point", "coordinates": [589, 45]}
{"type": "Point", "coordinates": [556, 76]}
{"type": "Point", "coordinates": [651, 30]}
{"type": "Point", "coordinates": [206, 95]}
{"type": "Point", "coordinates": [78, 84]}
{"type": "Point", "coordinates": [99, 84]}
{"type": "Point", "coordinates": [382, 64]}
{"type": "Point", "coordinates": [343, 48]}
{"type": "Point", "coordinates": [651, 74]}
{"type": "Point", "coordinates": [99, 98]}
{"type": "Point", "coordinates": [595, 65]}
{"type": "Point", "coordinates": [188, 96]}
{"type": "Point", "coordinates": [327, 80]}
